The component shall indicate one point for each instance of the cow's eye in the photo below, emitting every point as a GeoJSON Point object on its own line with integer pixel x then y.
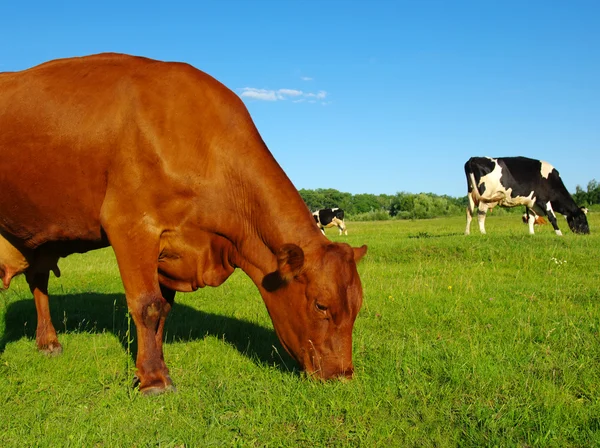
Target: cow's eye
{"type": "Point", "coordinates": [320, 307]}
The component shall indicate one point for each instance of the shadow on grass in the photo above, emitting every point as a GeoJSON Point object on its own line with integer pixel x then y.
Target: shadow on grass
{"type": "Point", "coordinates": [98, 313]}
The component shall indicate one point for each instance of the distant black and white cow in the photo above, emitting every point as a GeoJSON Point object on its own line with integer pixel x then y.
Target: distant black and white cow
{"type": "Point", "coordinates": [512, 181]}
{"type": "Point", "coordinates": [330, 217]}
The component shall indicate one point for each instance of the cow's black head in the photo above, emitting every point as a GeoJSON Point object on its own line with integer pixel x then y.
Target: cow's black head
{"type": "Point", "coordinates": [578, 222]}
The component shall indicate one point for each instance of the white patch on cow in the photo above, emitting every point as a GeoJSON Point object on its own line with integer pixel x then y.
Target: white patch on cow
{"type": "Point", "coordinates": [546, 169]}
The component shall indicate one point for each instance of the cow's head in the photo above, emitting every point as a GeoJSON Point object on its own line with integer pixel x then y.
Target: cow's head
{"type": "Point", "coordinates": [315, 297]}
{"type": "Point", "coordinates": [578, 222]}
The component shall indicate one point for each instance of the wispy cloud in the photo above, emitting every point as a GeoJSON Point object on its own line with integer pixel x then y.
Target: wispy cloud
{"type": "Point", "coordinates": [290, 92]}
{"type": "Point", "coordinates": [319, 95]}
{"type": "Point", "coordinates": [258, 94]}
{"type": "Point", "coordinates": [306, 78]}
{"type": "Point", "coordinates": [297, 96]}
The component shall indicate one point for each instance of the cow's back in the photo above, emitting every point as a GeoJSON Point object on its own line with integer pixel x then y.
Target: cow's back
{"type": "Point", "coordinates": [60, 130]}
{"type": "Point", "coordinates": [74, 129]}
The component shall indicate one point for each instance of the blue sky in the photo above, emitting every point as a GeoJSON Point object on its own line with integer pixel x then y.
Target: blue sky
{"type": "Point", "coordinates": [370, 96]}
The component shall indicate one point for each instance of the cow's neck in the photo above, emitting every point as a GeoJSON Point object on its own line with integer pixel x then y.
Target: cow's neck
{"type": "Point", "coordinates": [269, 214]}
{"type": "Point", "coordinates": [566, 208]}
{"type": "Point", "coordinates": [290, 223]}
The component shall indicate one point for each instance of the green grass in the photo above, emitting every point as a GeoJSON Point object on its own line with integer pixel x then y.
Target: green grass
{"type": "Point", "coordinates": [486, 340]}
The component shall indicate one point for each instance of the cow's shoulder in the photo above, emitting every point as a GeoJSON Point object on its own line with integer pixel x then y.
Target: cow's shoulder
{"type": "Point", "coordinates": [194, 258]}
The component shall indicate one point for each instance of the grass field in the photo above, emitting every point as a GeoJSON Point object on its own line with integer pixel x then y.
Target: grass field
{"type": "Point", "coordinates": [486, 340]}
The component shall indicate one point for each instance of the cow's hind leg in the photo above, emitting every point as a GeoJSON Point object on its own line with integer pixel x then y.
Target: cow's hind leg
{"type": "Point", "coordinates": [341, 226]}
{"type": "Point", "coordinates": [470, 209]}
{"type": "Point", "coordinates": [46, 339]}
{"type": "Point", "coordinates": [481, 212]}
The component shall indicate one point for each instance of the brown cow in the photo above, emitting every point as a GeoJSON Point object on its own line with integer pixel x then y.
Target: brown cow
{"type": "Point", "coordinates": [163, 163]}
{"type": "Point", "coordinates": [537, 219]}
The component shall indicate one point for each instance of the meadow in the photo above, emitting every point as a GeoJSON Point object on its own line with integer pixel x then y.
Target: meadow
{"type": "Point", "coordinates": [485, 340]}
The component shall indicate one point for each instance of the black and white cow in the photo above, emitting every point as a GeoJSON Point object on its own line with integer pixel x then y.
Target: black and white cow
{"type": "Point", "coordinates": [512, 181]}
{"type": "Point", "coordinates": [330, 217]}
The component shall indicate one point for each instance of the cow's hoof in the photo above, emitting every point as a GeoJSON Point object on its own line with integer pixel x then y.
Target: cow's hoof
{"type": "Point", "coordinates": [153, 389]}
{"type": "Point", "coordinates": [157, 390]}
{"type": "Point", "coordinates": [52, 349]}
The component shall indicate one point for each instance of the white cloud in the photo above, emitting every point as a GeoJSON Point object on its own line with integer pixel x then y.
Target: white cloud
{"type": "Point", "coordinates": [320, 95]}
{"type": "Point", "coordinates": [290, 92]}
{"type": "Point", "coordinates": [306, 78]}
{"type": "Point", "coordinates": [297, 96]}
{"type": "Point", "coordinates": [258, 94]}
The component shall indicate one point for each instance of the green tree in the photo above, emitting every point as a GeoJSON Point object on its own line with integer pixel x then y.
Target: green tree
{"type": "Point", "coordinates": [580, 196]}
{"type": "Point", "coordinates": [403, 205]}
{"type": "Point", "coordinates": [593, 192]}
{"type": "Point", "coordinates": [362, 203]}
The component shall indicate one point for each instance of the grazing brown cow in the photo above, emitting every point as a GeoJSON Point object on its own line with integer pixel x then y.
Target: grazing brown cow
{"type": "Point", "coordinates": [163, 163]}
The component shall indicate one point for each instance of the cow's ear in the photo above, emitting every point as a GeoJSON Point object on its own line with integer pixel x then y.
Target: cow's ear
{"type": "Point", "coordinates": [290, 261]}
{"type": "Point", "coordinates": [359, 252]}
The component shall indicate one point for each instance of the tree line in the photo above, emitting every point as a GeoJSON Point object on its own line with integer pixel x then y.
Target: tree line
{"type": "Point", "coordinates": [590, 196]}
{"type": "Point", "coordinates": [403, 205]}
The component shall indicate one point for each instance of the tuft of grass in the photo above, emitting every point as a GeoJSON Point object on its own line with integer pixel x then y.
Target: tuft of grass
{"type": "Point", "coordinates": [485, 340]}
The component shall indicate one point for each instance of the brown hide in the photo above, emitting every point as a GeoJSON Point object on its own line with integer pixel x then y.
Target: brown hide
{"type": "Point", "coordinates": [164, 163]}
{"type": "Point", "coordinates": [539, 220]}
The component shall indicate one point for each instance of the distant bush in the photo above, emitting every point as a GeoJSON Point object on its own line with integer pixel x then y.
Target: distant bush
{"type": "Point", "coordinates": [402, 205]}
{"type": "Point", "coordinates": [589, 197]}
{"type": "Point", "coordinates": [374, 215]}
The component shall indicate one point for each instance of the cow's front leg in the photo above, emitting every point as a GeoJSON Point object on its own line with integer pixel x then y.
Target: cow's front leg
{"type": "Point", "coordinates": [169, 296]}
{"type": "Point", "coordinates": [136, 250]}
{"type": "Point", "coordinates": [552, 219]}
{"type": "Point", "coordinates": [45, 336]}
{"type": "Point", "coordinates": [530, 221]}
{"type": "Point", "coordinates": [149, 314]}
